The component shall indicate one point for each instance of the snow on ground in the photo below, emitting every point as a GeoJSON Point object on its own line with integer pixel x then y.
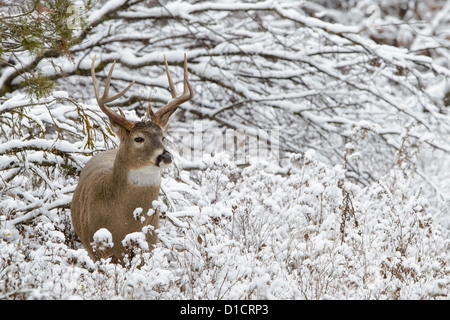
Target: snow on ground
{"type": "Point", "coordinates": [351, 202]}
{"type": "Point", "coordinates": [249, 234]}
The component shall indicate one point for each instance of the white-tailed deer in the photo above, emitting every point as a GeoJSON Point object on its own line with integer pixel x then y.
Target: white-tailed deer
{"type": "Point", "coordinates": [116, 182]}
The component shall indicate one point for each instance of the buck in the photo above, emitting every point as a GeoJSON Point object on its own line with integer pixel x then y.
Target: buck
{"type": "Point", "coordinates": [116, 182]}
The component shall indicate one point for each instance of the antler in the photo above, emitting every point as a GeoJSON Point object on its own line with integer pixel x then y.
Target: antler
{"type": "Point", "coordinates": [161, 117]}
{"type": "Point", "coordinates": [113, 117]}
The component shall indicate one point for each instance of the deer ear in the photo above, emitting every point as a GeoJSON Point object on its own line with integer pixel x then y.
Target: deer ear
{"type": "Point", "coordinates": [165, 129]}
{"type": "Point", "coordinates": [119, 130]}
{"type": "Point", "coordinates": [118, 127]}
{"type": "Point", "coordinates": [163, 121]}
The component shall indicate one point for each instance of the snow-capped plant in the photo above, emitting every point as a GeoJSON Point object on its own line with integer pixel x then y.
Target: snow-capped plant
{"type": "Point", "coordinates": [354, 205]}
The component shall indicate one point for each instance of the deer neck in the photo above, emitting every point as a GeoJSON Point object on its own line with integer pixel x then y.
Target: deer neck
{"type": "Point", "coordinates": [145, 177]}
{"type": "Point", "coordinates": [125, 174]}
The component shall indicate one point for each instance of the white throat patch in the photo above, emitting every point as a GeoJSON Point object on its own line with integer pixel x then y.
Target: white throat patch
{"type": "Point", "coordinates": [145, 177]}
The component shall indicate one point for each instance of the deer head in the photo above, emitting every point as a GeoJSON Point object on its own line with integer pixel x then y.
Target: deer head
{"type": "Point", "coordinates": [143, 138]}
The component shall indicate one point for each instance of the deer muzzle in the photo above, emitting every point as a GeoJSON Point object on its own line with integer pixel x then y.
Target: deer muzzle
{"type": "Point", "coordinates": [164, 159]}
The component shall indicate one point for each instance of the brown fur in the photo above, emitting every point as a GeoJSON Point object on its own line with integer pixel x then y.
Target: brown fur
{"type": "Point", "coordinates": [104, 197]}
{"type": "Point", "coordinates": [114, 183]}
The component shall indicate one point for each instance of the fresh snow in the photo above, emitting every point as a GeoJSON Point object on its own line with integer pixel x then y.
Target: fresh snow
{"type": "Point", "coordinates": [354, 206]}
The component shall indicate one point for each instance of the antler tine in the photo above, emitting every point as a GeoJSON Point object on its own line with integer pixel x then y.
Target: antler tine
{"type": "Point", "coordinates": [172, 91]}
{"type": "Point", "coordinates": [117, 95]}
{"type": "Point", "coordinates": [114, 117]}
{"type": "Point", "coordinates": [94, 80]}
{"type": "Point", "coordinates": [172, 87]}
{"type": "Point", "coordinates": [150, 112]}
{"type": "Point", "coordinates": [172, 105]}
{"type": "Point", "coordinates": [108, 81]}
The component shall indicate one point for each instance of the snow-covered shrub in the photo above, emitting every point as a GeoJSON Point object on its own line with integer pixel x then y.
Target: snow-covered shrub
{"type": "Point", "coordinates": [43, 146]}
{"type": "Point", "coordinates": [102, 240]}
{"type": "Point", "coordinates": [308, 234]}
{"type": "Point", "coordinates": [356, 207]}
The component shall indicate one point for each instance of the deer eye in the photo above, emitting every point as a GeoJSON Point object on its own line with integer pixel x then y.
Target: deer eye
{"type": "Point", "coordinates": [139, 139]}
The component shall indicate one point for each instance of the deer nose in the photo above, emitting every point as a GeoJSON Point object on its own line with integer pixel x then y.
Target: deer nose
{"type": "Point", "coordinates": [165, 157]}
